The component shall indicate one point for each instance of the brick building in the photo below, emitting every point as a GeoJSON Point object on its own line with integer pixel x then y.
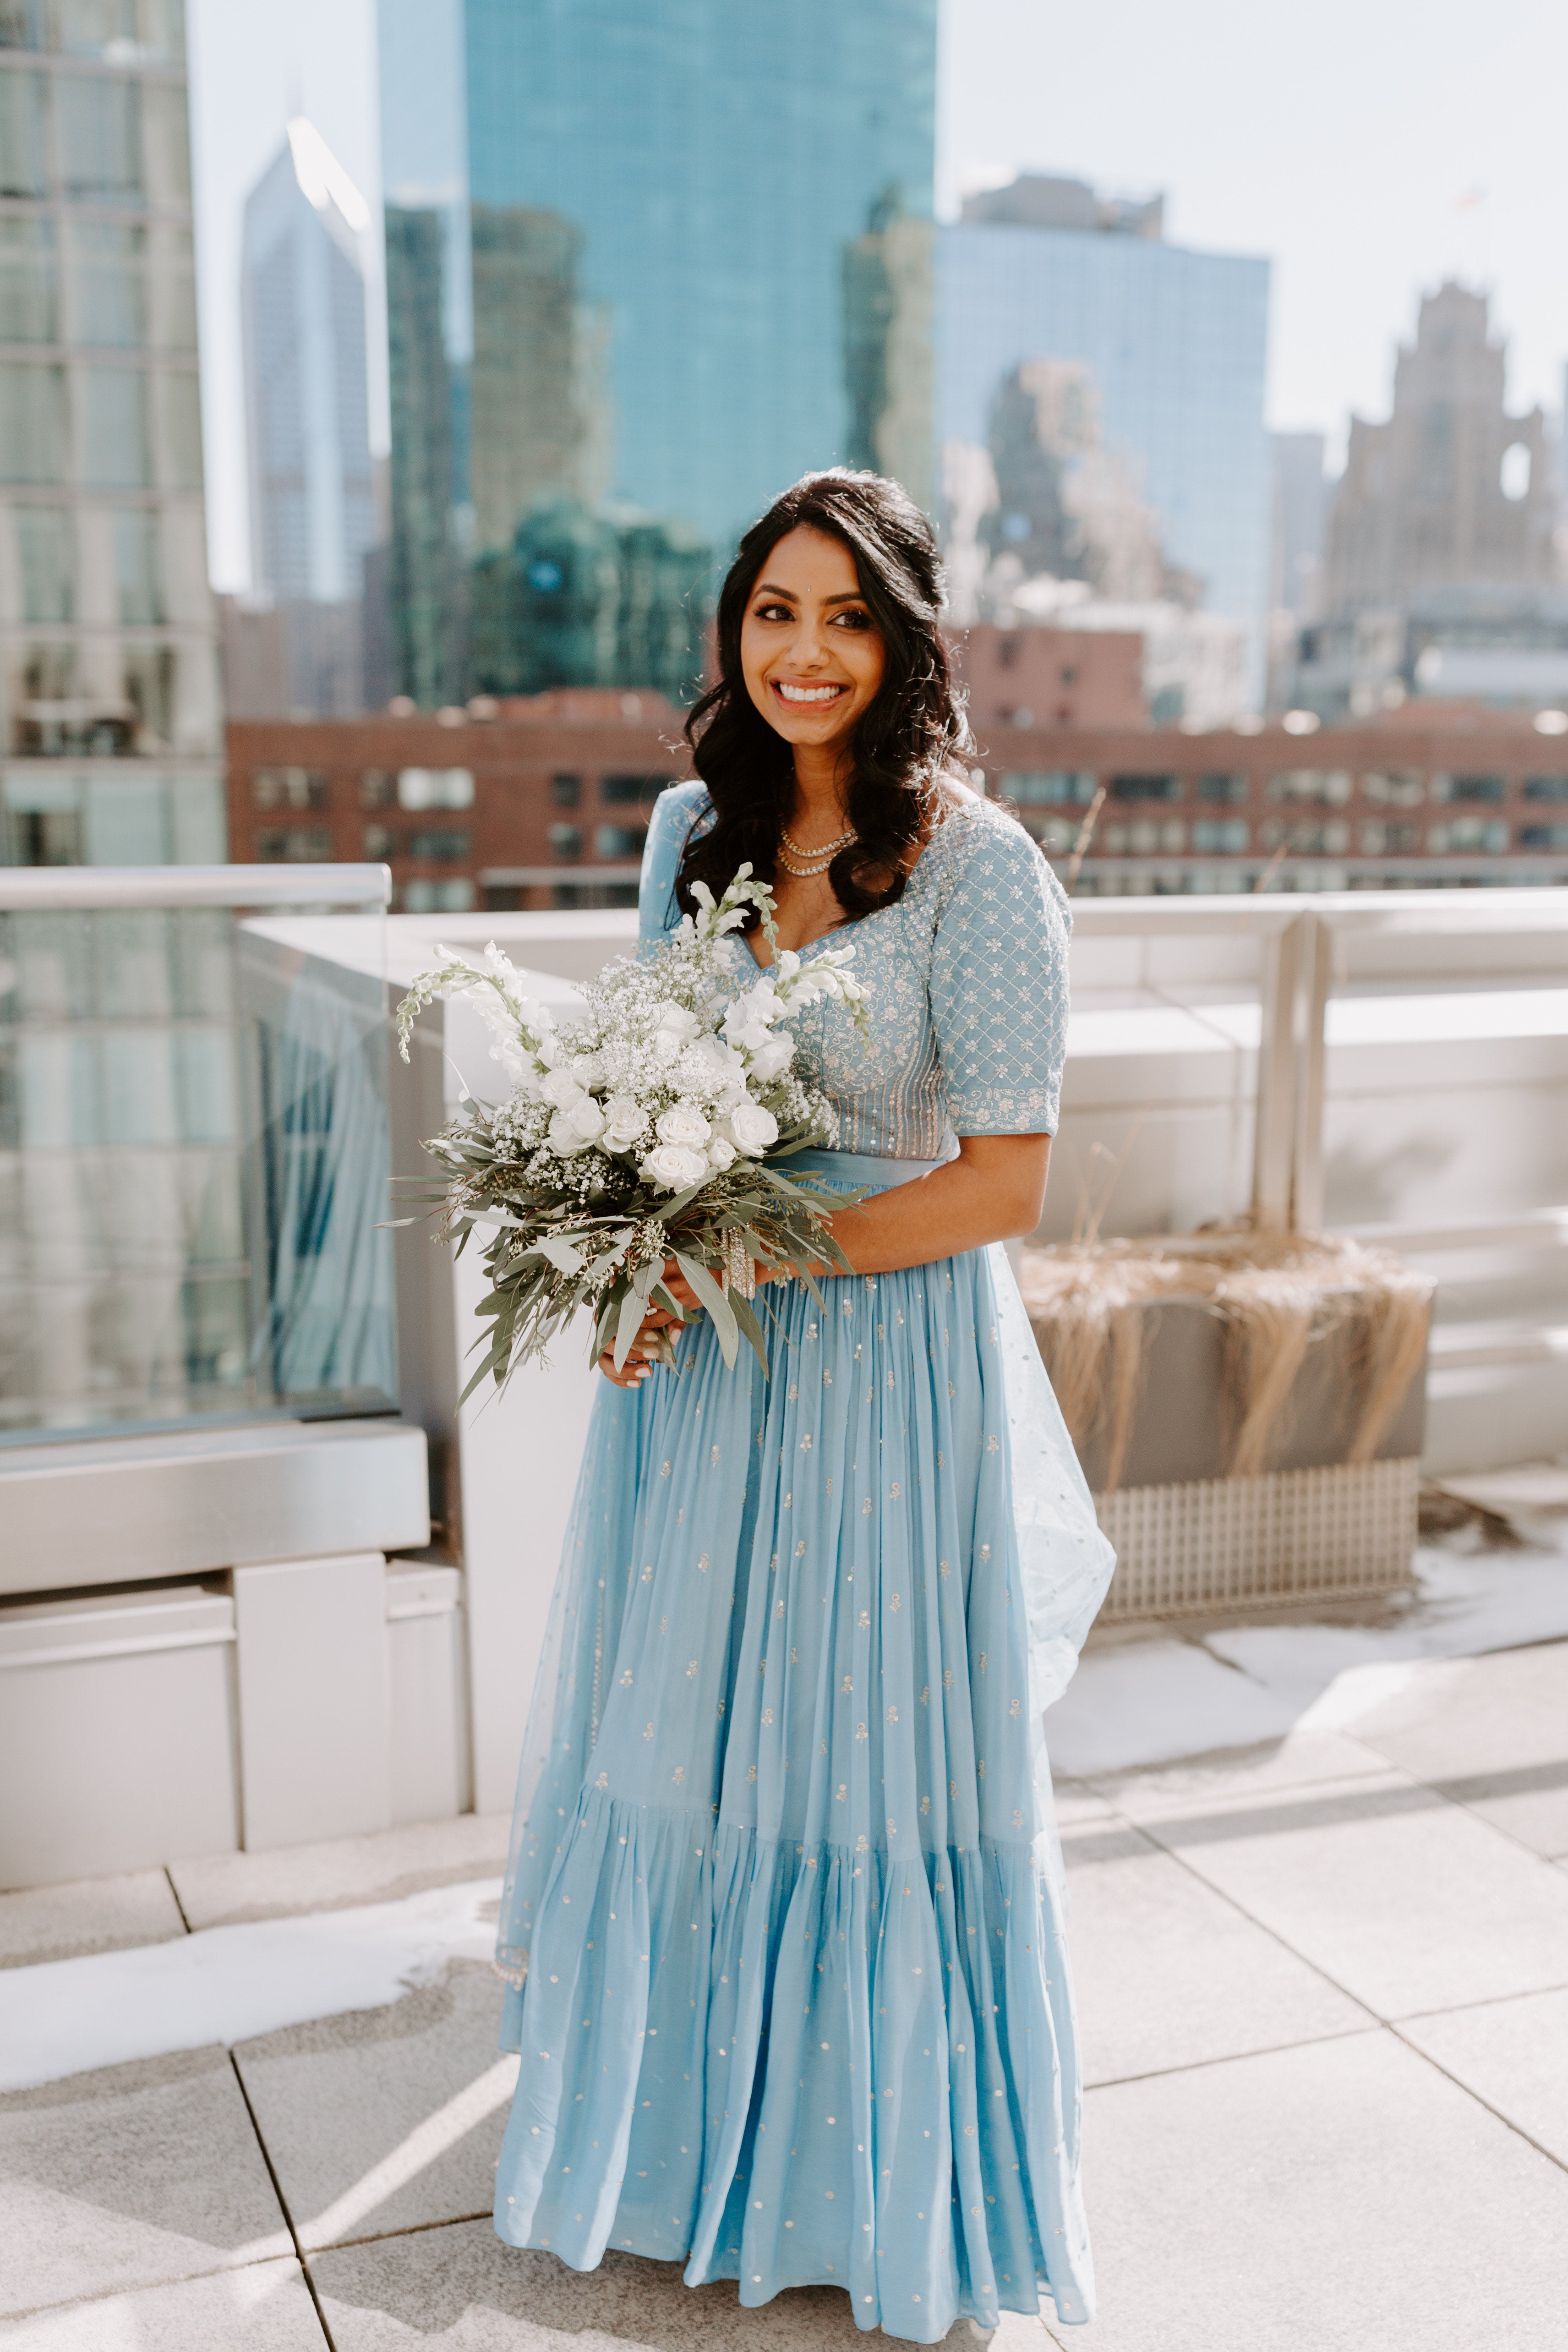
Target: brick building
{"type": "Point", "coordinates": [546, 802]}
{"type": "Point", "coordinates": [530, 803]}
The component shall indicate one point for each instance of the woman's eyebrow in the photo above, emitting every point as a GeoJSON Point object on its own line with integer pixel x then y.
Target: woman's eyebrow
{"type": "Point", "coordinates": [767, 588]}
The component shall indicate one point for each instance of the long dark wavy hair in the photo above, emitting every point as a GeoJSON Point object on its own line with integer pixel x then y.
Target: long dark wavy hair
{"type": "Point", "coordinates": [908, 735]}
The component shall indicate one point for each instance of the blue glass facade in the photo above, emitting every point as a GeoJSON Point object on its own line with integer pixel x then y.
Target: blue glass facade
{"type": "Point", "coordinates": [646, 266]}
{"type": "Point", "coordinates": [1175, 343]}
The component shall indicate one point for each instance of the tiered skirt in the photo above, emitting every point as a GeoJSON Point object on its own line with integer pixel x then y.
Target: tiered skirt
{"type": "Point", "coordinates": [783, 1923]}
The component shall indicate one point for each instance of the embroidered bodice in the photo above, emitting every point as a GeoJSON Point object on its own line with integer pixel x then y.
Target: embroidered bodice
{"type": "Point", "coordinates": [967, 981]}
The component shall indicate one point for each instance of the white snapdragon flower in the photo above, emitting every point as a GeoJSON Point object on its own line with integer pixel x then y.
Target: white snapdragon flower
{"type": "Point", "coordinates": [772, 1058]}
{"type": "Point", "coordinates": [684, 1123]}
{"type": "Point", "coordinates": [753, 1128]}
{"type": "Point", "coordinates": [625, 1122]}
{"type": "Point", "coordinates": [673, 1166]}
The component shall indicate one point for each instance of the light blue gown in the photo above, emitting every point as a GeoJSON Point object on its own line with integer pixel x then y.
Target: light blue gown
{"type": "Point", "coordinates": [783, 1920]}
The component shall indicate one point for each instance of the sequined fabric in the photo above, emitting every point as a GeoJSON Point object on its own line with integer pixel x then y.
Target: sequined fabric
{"type": "Point", "coordinates": [967, 975]}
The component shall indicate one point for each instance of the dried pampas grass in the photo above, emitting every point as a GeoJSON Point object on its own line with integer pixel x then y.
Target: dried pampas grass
{"type": "Point", "coordinates": [1275, 1294]}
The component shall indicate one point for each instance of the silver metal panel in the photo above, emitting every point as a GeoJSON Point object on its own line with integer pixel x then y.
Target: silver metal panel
{"type": "Point", "coordinates": [51, 889]}
{"type": "Point", "coordinates": [131, 1509]}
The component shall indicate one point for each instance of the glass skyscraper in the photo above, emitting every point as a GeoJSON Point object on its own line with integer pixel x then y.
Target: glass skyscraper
{"type": "Point", "coordinates": [644, 266]}
{"type": "Point", "coordinates": [1170, 345]}
{"type": "Point", "coordinates": [110, 721]}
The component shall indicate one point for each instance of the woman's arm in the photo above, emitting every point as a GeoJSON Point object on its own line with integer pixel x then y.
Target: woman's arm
{"type": "Point", "coordinates": [992, 1191]}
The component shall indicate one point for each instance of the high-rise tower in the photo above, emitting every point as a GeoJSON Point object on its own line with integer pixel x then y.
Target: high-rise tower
{"type": "Point", "coordinates": [110, 724]}
{"type": "Point", "coordinates": [644, 266]}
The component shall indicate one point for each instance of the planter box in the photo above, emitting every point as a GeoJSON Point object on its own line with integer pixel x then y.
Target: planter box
{"type": "Point", "coordinates": [1310, 1525]}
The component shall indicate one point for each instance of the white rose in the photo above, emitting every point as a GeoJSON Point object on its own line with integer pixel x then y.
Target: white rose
{"type": "Point", "coordinates": [587, 1069]}
{"type": "Point", "coordinates": [720, 1152]}
{"type": "Point", "coordinates": [563, 1138]}
{"type": "Point", "coordinates": [675, 1019]}
{"type": "Point", "coordinates": [753, 1128]}
{"type": "Point", "coordinates": [560, 1089]}
{"type": "Point", "coordinates": [625, 1122]}
{"type": "Point", "coordinates": [771, 1059]}
{"type": "Point", "coordinates": [683, 1124]}
{"type": "Point", "coordinates": [584, 1117]}
{"type": "Point", "coordinates": [674, 1166]}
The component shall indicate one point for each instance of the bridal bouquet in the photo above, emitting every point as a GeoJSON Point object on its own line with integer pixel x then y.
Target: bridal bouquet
{"type": "Point", "coordinates": [655, 1126]}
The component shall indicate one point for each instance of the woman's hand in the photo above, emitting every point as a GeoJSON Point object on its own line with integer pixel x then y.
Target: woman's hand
{"type": "Point", "coordinates": [639, 1361]}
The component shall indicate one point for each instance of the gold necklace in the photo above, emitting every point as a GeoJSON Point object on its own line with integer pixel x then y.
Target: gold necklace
{"type": "Point", "coordinates": [808, 862]}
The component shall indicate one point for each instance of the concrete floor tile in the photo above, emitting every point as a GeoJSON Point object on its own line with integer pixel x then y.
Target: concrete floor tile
{"type": "Point", "coordinates": [1168, 1973]}
{"type": "Point", "coordinates": [1511, 2053]}
{"type": "Point", "coordinates": [1492, 1732]}
{"type": "Point", "coordinates": [462, 2289]}
{"type": "Point", "coordinates": [1075, 1800]}
{"type": "Point", "coordinates": [1343, 2198]}
{"type": "Point", "coordinates": [1407, 1902]}
{"type": "Point", "coordinates": [87, 1915]}
{"type": "Point", "coordinates": [267, 2308]}
{"type": "Point", "coordinates": [386, 2118]}
{"type": "Point", "coordinates": [1303, 1759]}
{"type": "Point", "coordinates": [217, 1889]}
{"type": "Point", "coordinates": [128, 2177]}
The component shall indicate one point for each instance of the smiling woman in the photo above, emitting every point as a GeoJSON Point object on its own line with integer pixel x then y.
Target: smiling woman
{"type": "Point", "coordinates": [782, 1919]}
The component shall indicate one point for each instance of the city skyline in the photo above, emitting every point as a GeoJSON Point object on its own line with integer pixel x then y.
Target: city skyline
{"type": "Point", "coordinates": [1354, 248]}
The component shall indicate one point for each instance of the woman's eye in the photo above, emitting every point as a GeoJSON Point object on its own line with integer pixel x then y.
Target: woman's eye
{"type": "Point", "coordinates": [851, 620]}
{"type": "Point", "coordinates": [772, 613]}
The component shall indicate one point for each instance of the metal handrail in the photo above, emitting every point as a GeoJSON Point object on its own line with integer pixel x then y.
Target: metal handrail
{"type": "Point", "coordinates": [51, 889]}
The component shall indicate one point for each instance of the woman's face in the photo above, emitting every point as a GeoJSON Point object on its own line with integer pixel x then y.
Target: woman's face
{"type": "Point", "coordinates": [811, 654]}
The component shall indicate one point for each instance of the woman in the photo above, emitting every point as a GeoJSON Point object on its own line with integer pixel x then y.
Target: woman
{"type": "Point", "coordinates": [782, 1921]}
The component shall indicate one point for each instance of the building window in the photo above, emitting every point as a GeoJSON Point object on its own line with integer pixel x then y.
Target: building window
{"type": "Point", "coordinates": [294, 843]}
{"type": "Point", "coordinates": [440, 846]}
{"type": "Point", "coordinates": [289, 788]}
{"type": "Point", "coordinates": [148, 680]}
{"type": "Point", "coordinates": [378, 787]}
{"type": "Point", "coordinates": [629, 792]}
{"type": "Point", "coordinates": [1546, 788]}
{"type": "Point", "coordinates": [1388, 837]}
{"type": "Point", "coordinates": [1308, 837]}
{"type": "Point", "coordinates": [98, 125]}
{"type": "Point", "coordinates": [137, 569]}
{"type": "Point", "coordinates": [1145, 837]}
{"type": "Point", "coordinates": [565, 841]}
{"type": "Point", "coordinates": [114, 428]}
{"type": "Point", "coordinates": [1230, 836]}
{"type": "Point", "coordinates": [1145, 788]}
{"type": "Point", "coordinates": [1468, 788]}
{"type": "Point", "coordinates": [1229, 790]}
{"type": "Point", "coordinates": [1327, 786]}
{"type": "Point", "coordinates": [435, 788]}
{"type": "Point", "coordinates": [566, 792]}
{"type": "Point", "coordinates": [29, 306]}
{"type": "Point", "coordinates": [45, 545]}
{"type": "Point", "coordinates": [1055, 834]}
{"type": "Point", "coordinates": [23, 168]}
{"type": "Point", "coordinates": [33, 404]}
{"type": "Point", "coordinates": [182, 436]}
{"type": "Point", "coordinates": [1544, 837]}
{"type": "Point", "coordinates": [1047, 787]}
{"type": "Point", "coordinates": [107, 288]}
{"type": "Point", "coordinates": [1399, 790]}
{"type": "Point", "coordinates": [380, 843]}
{"type": "Point", "coordinates": [619, 841]}
{"type": "Point", "coordinates": [1460, 834]}
{"type": "Point", "coordinates": [424, 896]}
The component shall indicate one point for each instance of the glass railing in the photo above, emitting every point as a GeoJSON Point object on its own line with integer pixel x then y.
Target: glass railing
{"type": "Point", "coordinates": [193, 1149]}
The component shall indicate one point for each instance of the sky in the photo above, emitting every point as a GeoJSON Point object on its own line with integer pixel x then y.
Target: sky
{"type": "Point", "coordinates": [1371, 148]}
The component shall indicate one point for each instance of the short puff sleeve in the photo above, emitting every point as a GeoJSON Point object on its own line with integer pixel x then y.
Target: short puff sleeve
{"type": "Point", "coordinates": [998, 980]}
{"type": "Point", "coordinates": [676, 812]}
